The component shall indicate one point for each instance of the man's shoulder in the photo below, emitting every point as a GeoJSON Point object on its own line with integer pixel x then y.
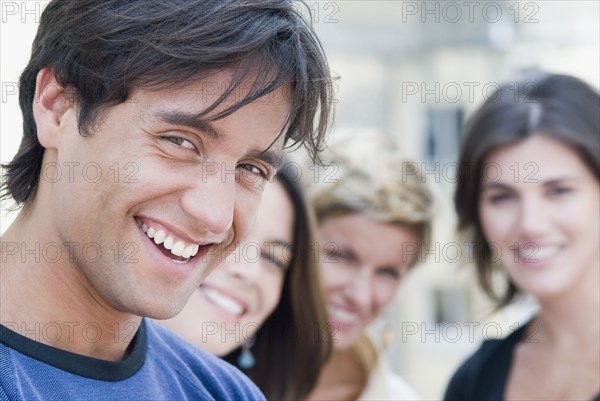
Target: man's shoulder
{"type": "Point", "coordinates": [219, 378]}
{"type": "Point", "coordinates": [169, 368]}
{"type": "Point", "coordinates": [165, 344]}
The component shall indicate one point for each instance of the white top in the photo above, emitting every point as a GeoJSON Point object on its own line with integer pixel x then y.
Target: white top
{"type": "Point", "coordinates": [383, 384]}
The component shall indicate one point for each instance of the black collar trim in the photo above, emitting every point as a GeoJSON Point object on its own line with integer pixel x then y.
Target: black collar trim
{"type": "Point", "coordinates": [81, 365]}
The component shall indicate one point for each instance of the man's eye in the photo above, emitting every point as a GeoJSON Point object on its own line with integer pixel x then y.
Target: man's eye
{"type": "Point", "coordinates": [181, 142]}
{"type": "Point", "coordinates": [251, 169]}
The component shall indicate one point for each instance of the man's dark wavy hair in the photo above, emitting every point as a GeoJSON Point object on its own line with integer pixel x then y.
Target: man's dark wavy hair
{"type": "Point", "coordinates": [102, 50]}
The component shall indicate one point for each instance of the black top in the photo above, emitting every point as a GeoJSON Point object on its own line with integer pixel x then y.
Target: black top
{"type": "Point", "coordinates": [483, 376]}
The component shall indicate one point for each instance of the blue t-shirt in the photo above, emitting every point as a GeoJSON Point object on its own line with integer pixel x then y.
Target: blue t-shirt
{"type": "Point", "coordinates": [160, 367]}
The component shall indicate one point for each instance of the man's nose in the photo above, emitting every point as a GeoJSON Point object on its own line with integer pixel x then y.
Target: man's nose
{"type": "Point", "coordinates": [211, 201]}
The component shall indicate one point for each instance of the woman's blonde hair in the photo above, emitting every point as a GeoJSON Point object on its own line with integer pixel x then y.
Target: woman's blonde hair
{"type": "Point", "coordinates": [368, 174]}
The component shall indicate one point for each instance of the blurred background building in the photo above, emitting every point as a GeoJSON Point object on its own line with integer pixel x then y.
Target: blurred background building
{"type": "Point", "coordinates": [414, 70]}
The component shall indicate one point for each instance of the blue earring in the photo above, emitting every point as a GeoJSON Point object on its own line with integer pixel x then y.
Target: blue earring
{"type": "Point", "coordinates": [247, 359]}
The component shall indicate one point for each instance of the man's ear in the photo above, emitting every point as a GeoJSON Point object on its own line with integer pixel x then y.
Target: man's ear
{"type": "Point", "coordinates": [49, 107]}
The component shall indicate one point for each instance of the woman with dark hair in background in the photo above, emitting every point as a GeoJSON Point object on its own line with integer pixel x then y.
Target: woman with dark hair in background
{"type": "Point", "coordinates": [262, 308]}
{"type": "Point", "coordinates": [541, 208]}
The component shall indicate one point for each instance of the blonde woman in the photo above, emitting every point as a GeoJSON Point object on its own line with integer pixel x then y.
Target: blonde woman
{"type": "Point", "coordinates": [373, 209]}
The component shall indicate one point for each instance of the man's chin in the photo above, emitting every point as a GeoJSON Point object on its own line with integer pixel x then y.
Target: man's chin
{"type": "Point", "coordinates": [160, 310]}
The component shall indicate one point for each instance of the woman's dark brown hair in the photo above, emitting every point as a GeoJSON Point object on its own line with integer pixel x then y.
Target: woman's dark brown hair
{"type": "Point", "coordinates": [294, 342]}
{"type": "Point", "coordinates": [103, 50]}
{"type": "Point", "coordinates": [559, 106]}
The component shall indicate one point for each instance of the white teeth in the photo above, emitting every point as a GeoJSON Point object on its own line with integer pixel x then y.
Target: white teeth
{"type": "Point", "coordinates": [222, 301]}
{"type": "Point", "coordinates": [343, 316]}
{"type": "Point", "coordinates": [187, 252]}
{"type": "Point", "coordinates": [539, 253]}
{"type": "Point", "coordinates": [168, 242]}
{"type": "Point", "coordinates": [159, 237]}
{"type": "Point", "coordinates": [178, 248]}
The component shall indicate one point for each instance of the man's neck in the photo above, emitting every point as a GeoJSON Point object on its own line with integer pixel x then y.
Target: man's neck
{"type": "Point", "coordinates": [50, 301]}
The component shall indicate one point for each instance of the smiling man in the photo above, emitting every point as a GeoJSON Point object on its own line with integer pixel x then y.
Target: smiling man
{"type": "Point", "coordinates": [150, 130]}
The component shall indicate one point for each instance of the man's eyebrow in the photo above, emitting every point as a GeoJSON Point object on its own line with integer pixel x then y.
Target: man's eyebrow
{"type": "Point", "coordinates": [268, 156]}
{"type": "Point", "coordinates": [188, 120]}
{"type": "Point", "coordinates": [193, 121]}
